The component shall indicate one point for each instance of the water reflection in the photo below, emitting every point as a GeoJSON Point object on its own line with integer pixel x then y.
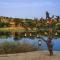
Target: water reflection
{"type": "Point", "coordinates": [4, 34]}
{"type": "Point", "coordinates": [29, 38]}
{"type": "Point", "coordinates": [15, 36]}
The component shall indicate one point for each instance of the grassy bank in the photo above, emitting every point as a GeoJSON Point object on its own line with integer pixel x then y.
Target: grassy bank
{"type": "Point", "coordinates": [15, 29]}
{"type": "Point", "coordinates": [14, 47]}
{"type": "Point", "coordinates": [12, 29]}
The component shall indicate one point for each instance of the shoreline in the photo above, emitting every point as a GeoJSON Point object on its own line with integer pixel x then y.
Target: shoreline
{"type": "Point", "coordinates": [35, 55]}
{"type": "Point", "coordinates": [32, 52]}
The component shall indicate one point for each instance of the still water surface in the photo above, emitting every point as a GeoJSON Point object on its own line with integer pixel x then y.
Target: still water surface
{"type": "Point", "coordinates": [7, 37]}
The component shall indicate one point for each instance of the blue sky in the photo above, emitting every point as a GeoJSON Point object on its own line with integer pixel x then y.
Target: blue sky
{"type": "Point", "coordinates": [29, 8]}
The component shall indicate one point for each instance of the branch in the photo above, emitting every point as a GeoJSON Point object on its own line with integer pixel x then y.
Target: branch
{"type": "Point", "coordinates": [43, 39]}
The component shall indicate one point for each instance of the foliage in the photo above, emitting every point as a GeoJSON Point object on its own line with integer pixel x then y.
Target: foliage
{"type": "Point", "coordinates": [2, 24]}
{"type": "Point", "coordinates": [58, 27]}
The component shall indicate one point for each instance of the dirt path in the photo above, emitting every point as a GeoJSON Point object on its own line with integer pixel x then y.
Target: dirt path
{"type": "Point", "coordinates": [37, 55]}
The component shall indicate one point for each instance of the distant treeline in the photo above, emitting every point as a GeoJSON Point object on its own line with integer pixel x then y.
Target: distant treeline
{"type": "Point", "coordinates": [27, 23]}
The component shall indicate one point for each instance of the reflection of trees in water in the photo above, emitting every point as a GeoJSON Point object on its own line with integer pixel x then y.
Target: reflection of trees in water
{"type": "Point", "coordinates": [19, 35]}
{"type": "Point", "coordinates": [16, 36]}
{"type": "Point", "coordinates": [4, 34]}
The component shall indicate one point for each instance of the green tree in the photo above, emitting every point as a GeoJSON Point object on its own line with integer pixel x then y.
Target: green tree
{"type": "Point", "coordinates": [2, 24]}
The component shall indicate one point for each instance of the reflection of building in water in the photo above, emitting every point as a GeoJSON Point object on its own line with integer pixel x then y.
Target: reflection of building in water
{"type": "Point", "coordinates": [28, 34]}
{"type": "Point", "coordinates": [25, 34]}
{"type": "Point", "coordinates": [22, 34]}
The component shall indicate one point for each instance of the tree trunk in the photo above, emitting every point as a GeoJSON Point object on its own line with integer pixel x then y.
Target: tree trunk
{"type": "Point", "coordinates": [50, 46]}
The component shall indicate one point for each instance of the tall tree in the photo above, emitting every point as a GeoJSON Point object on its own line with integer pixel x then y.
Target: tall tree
{"type": "Point", "coordinates": [51, 34]}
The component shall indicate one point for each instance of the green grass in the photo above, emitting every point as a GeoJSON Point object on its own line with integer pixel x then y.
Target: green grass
{"type": "Point", "coordinates": [15, 30]}
{"type": "Point", "coordinates": [11, 30]}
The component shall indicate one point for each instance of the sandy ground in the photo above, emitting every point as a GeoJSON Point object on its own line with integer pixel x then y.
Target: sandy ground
{"type": "Point", "coordinates": [37, 55]}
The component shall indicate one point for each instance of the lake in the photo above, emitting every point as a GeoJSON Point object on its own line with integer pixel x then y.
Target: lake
{"type": "Point", "coordinates": [22, 38]}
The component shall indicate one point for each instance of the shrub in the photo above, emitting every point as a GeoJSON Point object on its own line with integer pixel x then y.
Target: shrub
{"type": "Point", "coordinates": [13, 47]}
